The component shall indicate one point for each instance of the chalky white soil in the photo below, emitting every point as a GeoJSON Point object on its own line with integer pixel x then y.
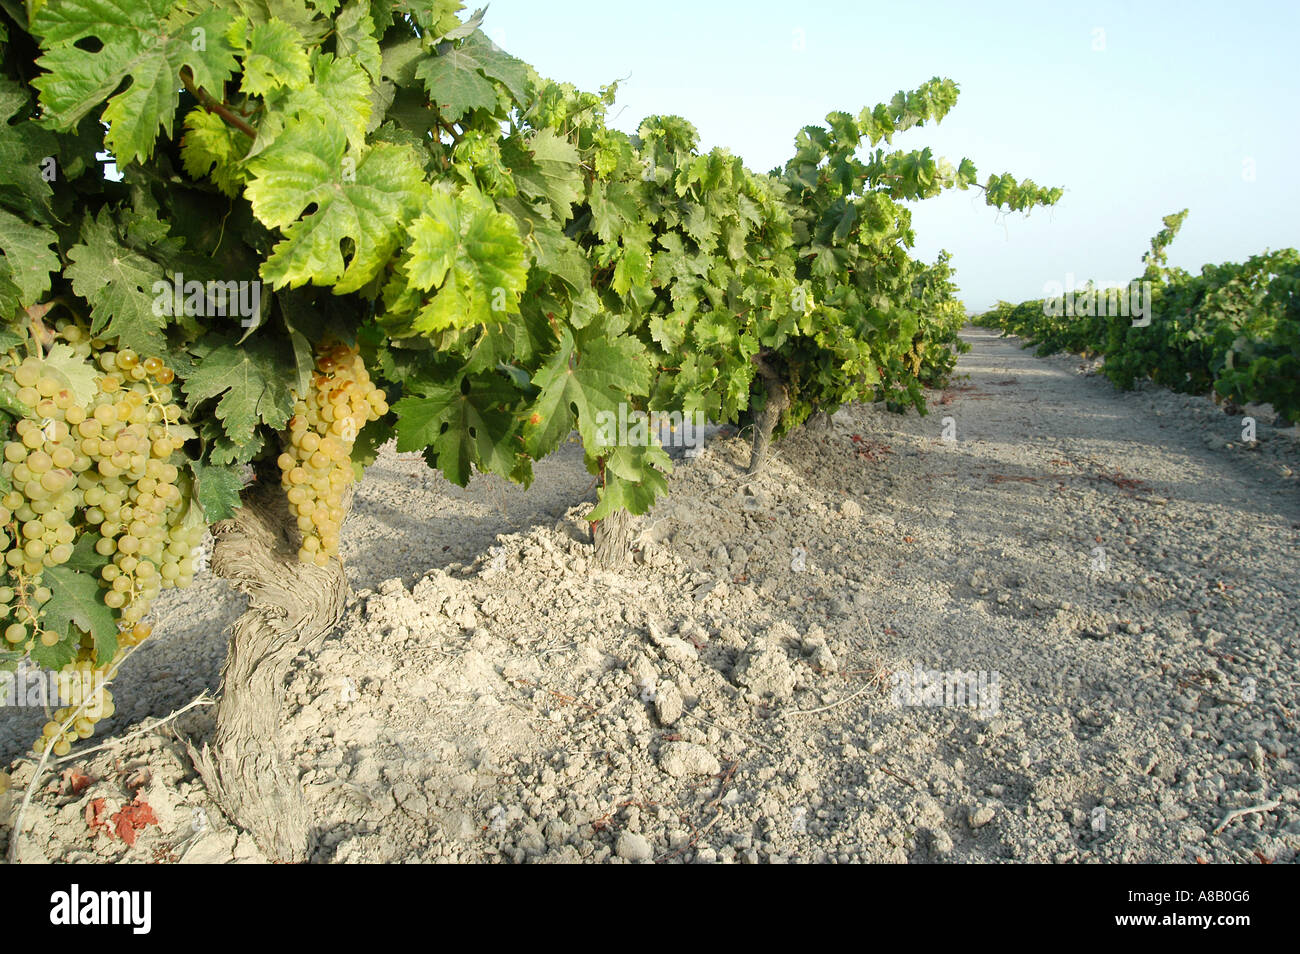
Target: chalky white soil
{"type": "Point", "coordinates": [1121, 568]}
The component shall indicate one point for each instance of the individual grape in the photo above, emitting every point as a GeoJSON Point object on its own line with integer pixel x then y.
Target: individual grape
{"type": "Point", "coordinates": [27, 374]}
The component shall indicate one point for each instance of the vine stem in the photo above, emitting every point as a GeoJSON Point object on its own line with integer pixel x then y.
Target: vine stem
{"type": "Point", "coordinates": [17, 832]}
{"type": "Point", "coordinates": [203, 699]}
{"type": "Point", "coordinates": [450, 130]}
{"type": "Point", "coordinates": [213, 105]}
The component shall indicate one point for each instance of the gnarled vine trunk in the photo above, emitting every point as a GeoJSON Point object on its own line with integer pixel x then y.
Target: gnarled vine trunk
{"type": "Point", "coordinates": [612, 538]}
{"type": "Point", "coordinates": [778, 399]}
{"type": "Point", "coordinates": [292, 606]}
{"type": "Point", "coordinates": [818, 422]}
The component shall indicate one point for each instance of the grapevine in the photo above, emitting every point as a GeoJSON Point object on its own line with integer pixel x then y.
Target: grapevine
{"type": "Point", "coordinates": [365, 222]}
{"type": "Point", "coordinates": [1233, 329]}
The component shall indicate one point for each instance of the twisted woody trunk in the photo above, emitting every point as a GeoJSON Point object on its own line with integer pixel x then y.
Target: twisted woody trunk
{"type": "Point", "coordinates": [292, 606]}
{"type": "Point", "coordinates": [778, 400]}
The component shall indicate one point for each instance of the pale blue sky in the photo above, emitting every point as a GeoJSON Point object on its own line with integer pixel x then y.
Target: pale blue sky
{"type": "Point", "coordinates": [1183, 104]}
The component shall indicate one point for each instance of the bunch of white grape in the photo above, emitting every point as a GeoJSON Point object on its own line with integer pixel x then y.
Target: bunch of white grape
{"type": "Point", "coordinates": [316, 467]}
{"type": "Point", "coordinates": [97, 456]}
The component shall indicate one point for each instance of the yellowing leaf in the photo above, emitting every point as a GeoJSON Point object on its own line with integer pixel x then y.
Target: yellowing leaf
{"type": "Point", "coordinates": [473, 255]}
{"type": "Point", "coordinates": [211, 148]}
{"type": "Point", "coordinates": [275, 57]}
{"type": "Point", "coordinates": [364, 200]}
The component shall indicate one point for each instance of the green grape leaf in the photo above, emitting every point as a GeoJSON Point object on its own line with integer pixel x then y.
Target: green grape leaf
{"type": "Point", "coordinates": [139, 39]}
{"type": "Point", "coordinates": [339, 93]}
{"type": "Point", "coordinates": [16, 409]}
{"type": "Point", "coordinates": [28, 155]}
{"type": "Point", "coordinates": [400, 59]}
{"type": "Point", "coordinates": [302, 15]}
{"type": "Point", "coordinates": [668, 331]}
{"type": "Point", "coordinates": [614, 208]}
{"type": "Point", "coordinates": [633, 480]}
{"type": "Point", "coordinates": [250, 380]}
{"type": "Point", "coordinates": [119, 284]}
{"type": "Point", "coordinates": [371, 437]}
{"type": "Point", "coordinates": [562, 257]}
{"type": "Point", "coordinates": [715, 332]}
{"type": "Point", "coordinates": [701, 225]}
{"type": "Point", "coordinates": [223, 452]}
{"type": "Point", "coordinates": [464, 29]}
{"type": "Point", "coordinates": [455, 85]}
{"type": "Point", "coordinates": [60, 654]}
{"type": "Point", "coordinates": [502, 347]}
{"type": "Point", "coordinates": [473, 255]}
{"type": "Point", "coordinates": [27, 257]}
{"type": "Point", "coordinates": [274, 58]}
{"type": "Point", "coordinates": [211, 148]}
{"type": "Point", "coordinates": [367, 200]}
{"type": "Point", "coordinates": [438, 17]}
{"type": "Point", "coordinates": [461, 79]}
{"type": "Point", "coordinates": [354, 36]}
{"type": "Point", "coordinates": [217, 489]}
{"type": "Point", "coordinates": [85, 558]}
{"type": "Point", "coordinates": [966, 174]}
{"type": "Point", "coordinates": [72, 371]}
{"type": "Point", "coordinates": [75, 600]}
{"type": "Point", "coordinates": [546, 167]}
{"type": "Point", "coordinates": [591, 372]}
{"type": "Point", "coordinates": [462, 426]}
{"type": "Point", "coordinates": [844, 227]}
{"type": "Point", "coordinates": [633, 268]}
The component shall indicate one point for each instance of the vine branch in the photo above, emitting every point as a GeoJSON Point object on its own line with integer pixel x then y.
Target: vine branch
{"type": "Point", "coordinates": [213, 105]}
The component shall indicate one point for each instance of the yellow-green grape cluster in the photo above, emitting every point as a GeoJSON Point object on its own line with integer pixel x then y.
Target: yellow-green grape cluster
{"type": "Point", "coordinates": [131, 492]}
{"type": "Point", "coordinates": [81, 686]}
{"type": "Point", "coordinates": [316, 467]}
{"type": "Point", "coordinates": [97, 450]}
{"type": "Point", "coordinates": [87, 699]}
{"type": "Point", "coordinates": [37, 514]}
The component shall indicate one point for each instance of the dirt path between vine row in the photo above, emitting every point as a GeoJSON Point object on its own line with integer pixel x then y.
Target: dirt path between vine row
{"type": "Point", "coordinates": [1117, 574]}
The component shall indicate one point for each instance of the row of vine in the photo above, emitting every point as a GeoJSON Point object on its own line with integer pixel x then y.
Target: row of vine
{"type": "Point", "coordinates": [335, 224]}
